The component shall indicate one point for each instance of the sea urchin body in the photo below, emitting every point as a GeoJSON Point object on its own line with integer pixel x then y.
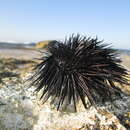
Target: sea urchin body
{"type": "Point", "coordinates": [79, 67]}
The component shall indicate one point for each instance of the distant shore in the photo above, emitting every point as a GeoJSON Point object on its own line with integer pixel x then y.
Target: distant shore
{"type": "Point", "coordinates": [22, 53]}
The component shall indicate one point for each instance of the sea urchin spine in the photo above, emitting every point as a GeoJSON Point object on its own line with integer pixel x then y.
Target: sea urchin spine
{"type": "Point", "coordinates": [77, 68]}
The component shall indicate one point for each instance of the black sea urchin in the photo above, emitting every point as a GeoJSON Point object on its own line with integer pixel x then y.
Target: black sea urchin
{"type": "Point", "coordinates": [77, 68]}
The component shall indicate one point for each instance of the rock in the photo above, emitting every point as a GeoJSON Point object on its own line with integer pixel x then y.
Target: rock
{"type": "Point", "coordinates": [42, 44]}
{"type": "Point", "coordinates": [21, 109]}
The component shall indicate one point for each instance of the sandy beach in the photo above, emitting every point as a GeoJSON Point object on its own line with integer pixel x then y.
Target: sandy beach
{"type": "Point", "coordinates": [19, 53]}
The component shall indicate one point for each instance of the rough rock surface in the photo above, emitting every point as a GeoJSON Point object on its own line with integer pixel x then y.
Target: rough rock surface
{"type": "Point", "coordinates": [20, 109]}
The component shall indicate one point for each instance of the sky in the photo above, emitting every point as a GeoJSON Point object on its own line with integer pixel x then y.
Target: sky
{"type": "Point", "coordinates": [37, 20]}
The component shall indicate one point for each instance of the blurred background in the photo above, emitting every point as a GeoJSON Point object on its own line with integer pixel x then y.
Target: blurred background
{"type": "Point", "coordinates": [30, 25]}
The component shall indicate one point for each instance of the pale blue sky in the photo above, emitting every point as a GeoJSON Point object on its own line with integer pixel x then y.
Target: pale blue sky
{"type": "Point", "coordinates": [36, 20]}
